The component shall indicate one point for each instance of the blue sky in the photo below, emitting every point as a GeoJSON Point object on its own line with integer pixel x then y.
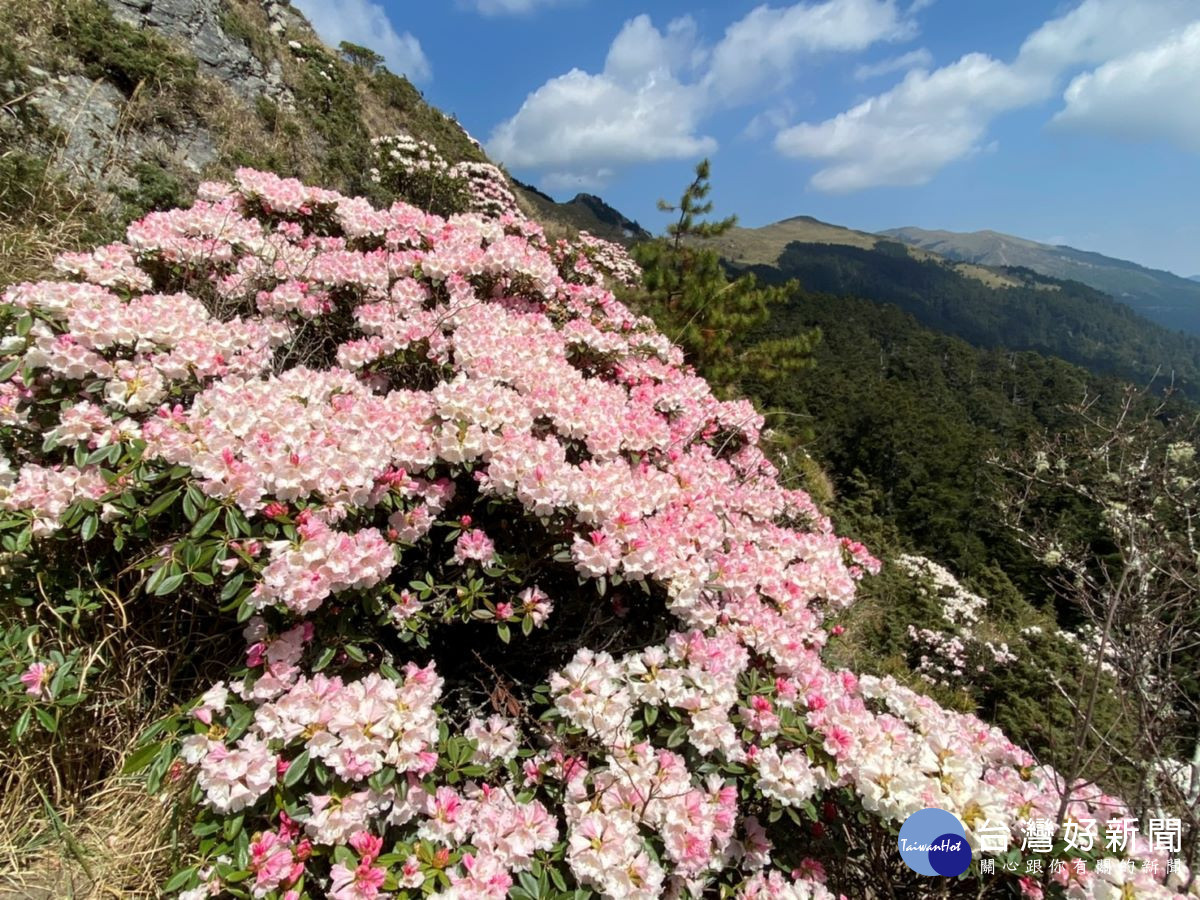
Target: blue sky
{"type": "Point", "coordinates": [1074, 122]}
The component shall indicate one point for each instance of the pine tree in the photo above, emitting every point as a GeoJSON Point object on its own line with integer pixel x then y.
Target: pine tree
{"type": "Point", "coordinates": [719, 322]}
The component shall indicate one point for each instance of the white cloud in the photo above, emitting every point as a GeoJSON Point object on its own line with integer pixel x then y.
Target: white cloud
{"type": "Point", "coordinates": [906, 135]}
{"type": "Point", "coordinates": [636, 110]}
{"type": "Point", "coordinates": [366, 23]}
{"type": "Point", "coordinates": [1153, 93]}
{"type": "Point", "coordinates": [770, 120]}
{"type": "Point", "coordinates": [658, 86]}
{"type": "Point", "coordinates": [640, 49]}
{"type": "Point", "coordinates": [1099, 30]}
{"type": "Point", "coordinates": [509, 7]}
{"type": "Point", "coordinates": [762, 49]}
{"type": "Point", "coordinates": [914, 59]}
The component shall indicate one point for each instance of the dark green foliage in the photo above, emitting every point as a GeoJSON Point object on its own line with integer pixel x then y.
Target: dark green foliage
{"type": "Point", "coordinates": [22, 180]}
{"type": "Point", "coordinates": [327, 97]}
{"type": "Point", "coordinates": [364, 58]}
{"type": "Point", "coordinates": [14, 88]}
{"type": "Point", "coordinates": [120, 53]}
{"type": "Point", "coordinates": [1056, 318]}
{"type": "Point", "coordinates": [156, 188]}
{"type": "Point", "coordinates": [905, 419]}
{"type": "Point", "coordinates": [702, 310]}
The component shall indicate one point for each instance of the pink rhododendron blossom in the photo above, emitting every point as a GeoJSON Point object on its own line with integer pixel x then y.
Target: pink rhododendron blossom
{"type": "Point", "coordinates": [410, 427]}
{"type": "Point", "coordinates": [37, 680]}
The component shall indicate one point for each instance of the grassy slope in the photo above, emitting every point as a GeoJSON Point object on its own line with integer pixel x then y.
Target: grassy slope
{"type": "Point", "coordinates": [764, 246]}
{"type": "Point", "coordinates": [321, 133]}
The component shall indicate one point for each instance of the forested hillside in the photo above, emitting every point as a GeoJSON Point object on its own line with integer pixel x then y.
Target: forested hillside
{"type": "Point", "coordinates": [1056, 318]}
{"type": "Point", "coordinates": [1161, 297]}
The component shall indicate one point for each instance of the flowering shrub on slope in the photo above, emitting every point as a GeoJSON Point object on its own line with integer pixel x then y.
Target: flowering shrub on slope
{"type": "Point", "coordinates": [525, 610]}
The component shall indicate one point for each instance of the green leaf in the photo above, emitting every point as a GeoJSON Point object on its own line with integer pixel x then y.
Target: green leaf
{"type": "Point", "coordinates": [87, 531]}
{"type": "Point", "coordinates": [205, 524]}
{"type": "Point", "coordinates": [677, 737]}
{"type": "Point", "coordinates": [241, 721]}
{"type": "Point", "coordinates": [296, 769]}
{"type": "Point", "coordinates": [232, 586]}
{"type": "Point", "coordinates": [161, 504]}
{"type": "Point", "coordinates": [355, 653]}
{"type": "Point", "coordinates": [48, 721]}
{"type": "Point", "coordinates": [22, 723]}
{"type": "Point", "coordinates": [10, 369]}
{"type": "Point", "coordinates": [180, 880]}
{"type": "Point", "coordinates": [168, 585]}
{"type": "Point", "coordinates": [233, 827]}
{"type": "Point", "coordinates": [504, 633]}
{"type": "Point", "coordinates": [324, 659]}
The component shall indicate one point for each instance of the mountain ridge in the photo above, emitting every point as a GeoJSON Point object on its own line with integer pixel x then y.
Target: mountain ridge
{"type": "Point", "coordinates": [1166, 298]}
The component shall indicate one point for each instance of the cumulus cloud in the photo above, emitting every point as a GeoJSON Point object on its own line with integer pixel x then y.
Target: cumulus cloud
{"type": "Point", "coordinates": [906, 135]}
{"type": "Point", "coordinates": [1096, 31]}
{"type": "Point", "coordinates": [636, 110]}
{"type": "Point", "coordinates": [659, 85]}
{"type": "Point", "coordinates": [763, 47]}
{"type": "Point", "coordinates": [913, 60]}
{"type": "Point", "coordinates": [1153, 93]}
{"type": "Point", "coordinates": [367, 24]}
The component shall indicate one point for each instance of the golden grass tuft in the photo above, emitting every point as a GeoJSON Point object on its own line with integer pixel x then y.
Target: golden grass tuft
{"type": "Point", "coordinates": [119, 843]}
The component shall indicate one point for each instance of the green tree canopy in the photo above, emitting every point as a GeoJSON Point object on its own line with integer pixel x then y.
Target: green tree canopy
{"type": "Point", "coordinates": [712, 317]}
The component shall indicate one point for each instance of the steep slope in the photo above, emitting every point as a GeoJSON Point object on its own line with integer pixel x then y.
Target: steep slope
{"type": "Point", "coordinates": [1160, 296]}
{"type": "Point", "coordinates": [115, 108]}
{"type": "Point", "coordinates": [583, 212]}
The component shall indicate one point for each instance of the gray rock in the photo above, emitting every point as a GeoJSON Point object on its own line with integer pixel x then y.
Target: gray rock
{"type": "Point", "coordinates": [197, 25]}
{"type": "Point", "coordinates": [86, 114]}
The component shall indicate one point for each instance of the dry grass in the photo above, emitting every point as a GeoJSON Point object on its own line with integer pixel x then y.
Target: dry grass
{"type": "Point", "coordinates": [71, 824]}
{"type": "Point", "coordinates": [763, 246]}
{"type": "Point", "coordinates": [117, 844]}
{"type": "Point", "coordinates": [47, 219]}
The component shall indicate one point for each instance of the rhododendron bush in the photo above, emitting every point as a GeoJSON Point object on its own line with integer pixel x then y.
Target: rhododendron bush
{"type": "Point", "coordinates": [513, 605]}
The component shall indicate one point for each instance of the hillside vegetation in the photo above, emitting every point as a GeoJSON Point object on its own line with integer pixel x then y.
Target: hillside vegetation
{"type": "Point", "coordinates": [392, 552]}
{"type": "Point", "coordinates": [1161, 297]}
{"type": "Point", "coordinates": [1069, 320]}
{"type": "Point", "coordinates": [113, 109]}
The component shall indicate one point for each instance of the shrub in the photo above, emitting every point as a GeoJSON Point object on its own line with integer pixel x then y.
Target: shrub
{"type": "Point", "coordinates": [496, 599]}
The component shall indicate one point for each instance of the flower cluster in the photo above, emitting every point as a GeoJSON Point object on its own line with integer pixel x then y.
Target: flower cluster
{"type": "Point", "coordinates": [950, 658]}
{"type": "Point", "coordinates": [384, 441]}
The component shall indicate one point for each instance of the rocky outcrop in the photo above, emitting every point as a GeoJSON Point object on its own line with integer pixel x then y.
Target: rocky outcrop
{"type": "Point", "coordinates": [85, 114]}
{"type": "Point", "coordinates": [197, 25]}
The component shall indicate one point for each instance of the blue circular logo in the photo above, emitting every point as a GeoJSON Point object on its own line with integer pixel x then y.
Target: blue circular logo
{"type": "Point", "coordinates": [933, 842]}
